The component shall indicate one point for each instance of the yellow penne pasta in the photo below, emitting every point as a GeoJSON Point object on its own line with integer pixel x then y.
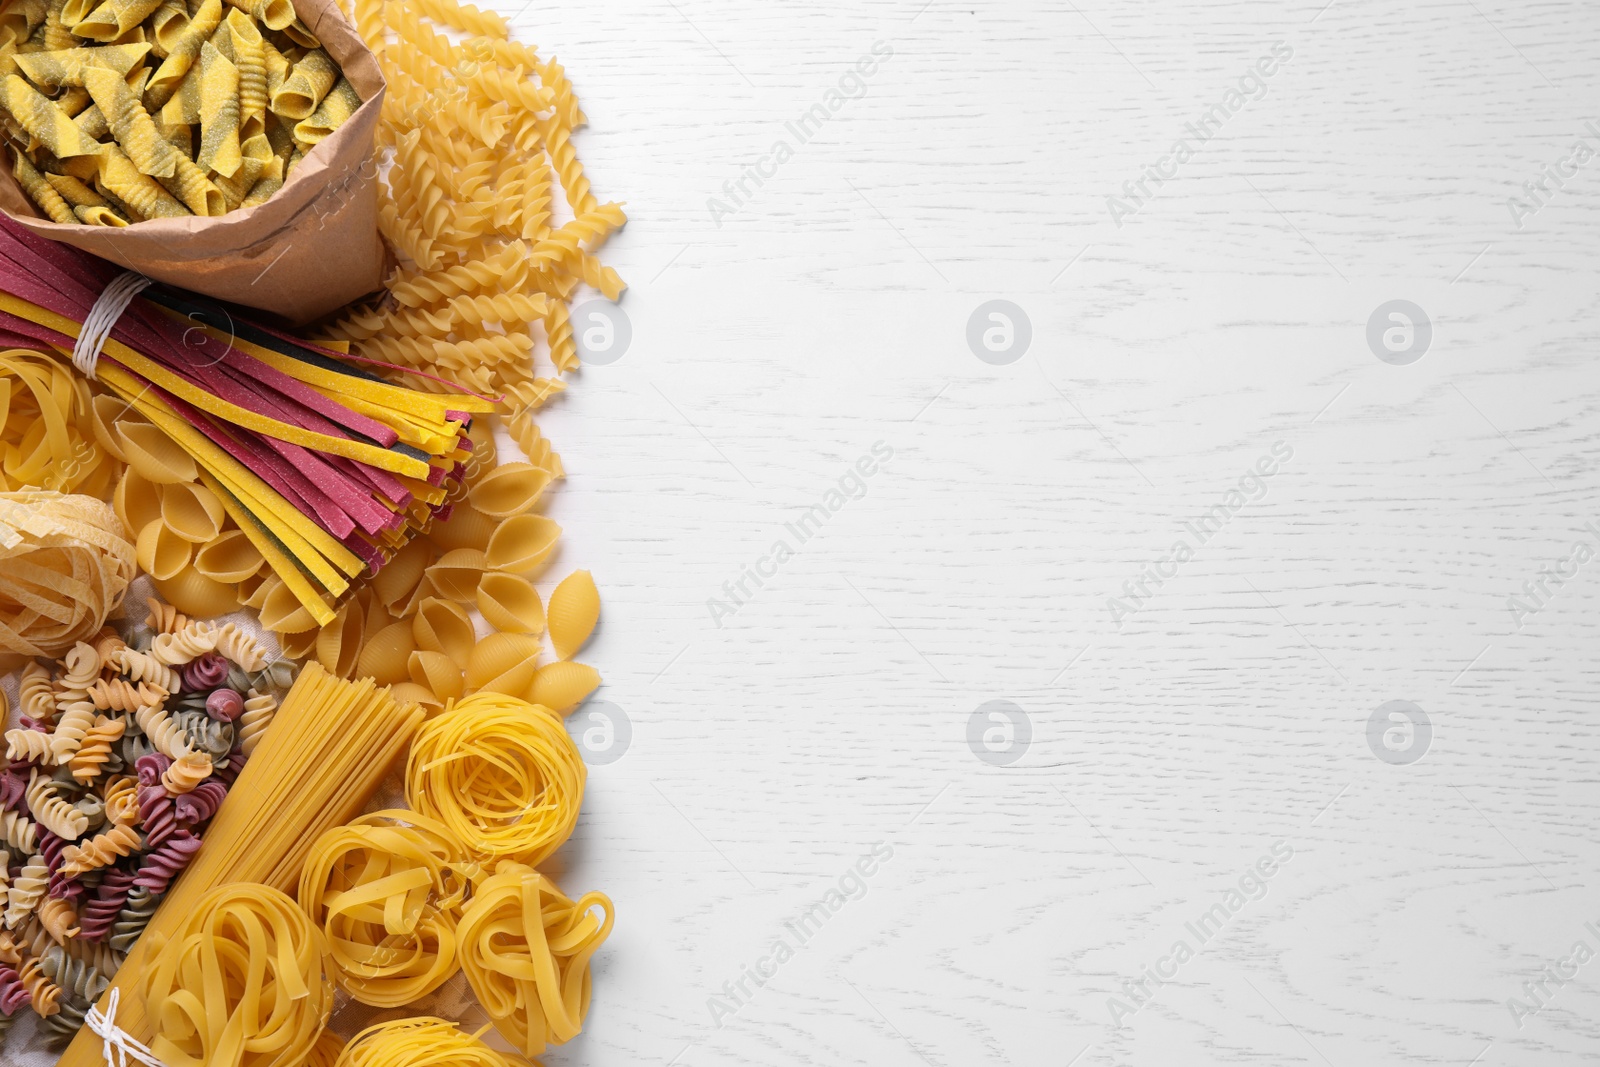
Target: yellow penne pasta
{"type": "Point", "coordinates": [135, 131]}
{"type": "Point", "coordinates": [308, 82]}
{"type": "Point", "coordinates": [301, 34]}
{"type": "Point", "coordinates": [167, 25]}
{"type": "Point", "coordinates": [219, 113]}
{"type": "Point", "coordinates": [40, 116]}
{"type": "Point", "coordinates": [335, 109]}
{"type": "Point", "coordinates": [50, 70]}
{"type": "Point", "coordinates": [42, 192]}
{"type": "Point", "coordinates": [73, 190]}
{"type": "Point", "coordinates": [274, 14]}
{"type": "Point", "coordinates": [182, 53]}
{"type": "Point", "coordinates": [250, 56]}
{"type": "Point", "coordinates": [114, 18]}
{"type": "Point", "coordinates": [135, 188]}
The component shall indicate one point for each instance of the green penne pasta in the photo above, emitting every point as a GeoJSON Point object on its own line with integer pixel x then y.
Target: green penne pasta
{"type": "Point", "coordinates": [335, 109]}
{"type": "Point", "coordinates": [308, 82]}
{"type": "Point", "coordinates": [40, 116]}
{"type": "Point", "coordinates": [273, 14]}
{"type": "Point", "coordinates": [114, 18]}
{"type": "Point", "coordinates": [219, 113]}
{"type": "Point", "coordinates": [18, 21]}
{"type": "Point", "coordinates": [135, 130]}
{"type": "Point", "coordinates": [135, 188]}
{"type": "Point", "coordinates": [182, 53]}
{"type": "Point", "coordinates": [92, 122]}
{"type": "Point", "coordinates": [40, 191]}
{"type": "Point", "coordinates": [190, 184]}
{"type": "Point", "coordinates": [53, 69]}
{"type": "Point", "coordinates": [99, 215]}
{"type": "Point", "coordinates": [254, 155]}
{"type": "Point", "coordinates": [271, 181]}
{"type": "Point", "coordinates": [301, 34]}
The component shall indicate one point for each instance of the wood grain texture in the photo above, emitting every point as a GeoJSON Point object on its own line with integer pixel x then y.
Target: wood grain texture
{"type": "Point", "coordinates": [1168, 354]}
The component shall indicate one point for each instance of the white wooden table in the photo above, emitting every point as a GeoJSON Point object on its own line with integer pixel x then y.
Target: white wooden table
{"type": "Point", "coordinates": [1161, 749]}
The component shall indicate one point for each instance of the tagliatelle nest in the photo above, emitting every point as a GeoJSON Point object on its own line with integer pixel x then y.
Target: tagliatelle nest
{"type": "Point", "coordinates": [64, 566]}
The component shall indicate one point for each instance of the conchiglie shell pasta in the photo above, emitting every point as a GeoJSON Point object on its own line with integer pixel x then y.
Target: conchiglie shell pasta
{"type": "Point", "coordinates": [398, 579]}
{"type": "Point", "coordinates": [510, 603]}
{"type": "Point", "coordinates": [229, 558]}
{"type": "Point", "coordinates": [384, 656]}
{"type": "Point", "coordinates": [137, 501]}
{"type": "Point", "coordinates": [161, 553]}
{"type": "Point", "coordinates": [504, 663]}
{"type": "Point", "coordinates": [455, 576]}
{"type": "Point", "coordinates": [441, 626]}
{"type": "Point", "coordinates": [412, 693]}
{"type": "Point", "coordinates": [339, 642]}
{"type": "Point", "coordinates": [436, 672]}
{"type": "Point", "coordinates": [282, 613]}
{"type": "Point", "coordinates": [574, 609]}
{"type": "Point", "coordinates": [155, 455]}
{"type": "Point", "coordinates": [523, 544]}
{"type": "Point", "coordinates": [300, 645]}
{"type": "Point", "coordinates": [192, 512]}
{"type": "Point", "coordinates": [563, 685]}
{"type": "Point", "coordinates": [467, 527]}
{"type": "Point", "coordinates": [509, 490]}
{"type": "Point", "coordinates": [107, 409]}
{"type": "Point", "coordinates": [194, 594]}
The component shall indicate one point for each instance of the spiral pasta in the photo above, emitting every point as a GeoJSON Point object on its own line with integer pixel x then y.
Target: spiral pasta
{"type": "Point", "coordinates": [525, 947]}
{"type": "Point", "coordinates": [385, 896]}
{"type": "Point", "coordinates": [259, 710]}
{"type": "Point", "coordinates": [240, 647]}
{"type": "Point", "coordinates": [186, 773]}
{"type": "Point", "coordinates": [143, 667]}
{"type": "Point", "coordinates": [19, 833]}
{"type": "Point", "coordinates": [59, 918]}
{"type": "Point", "coordinates": [101, 851]}
{"type": "Point", "coordinates": [181, 646]}
{"type": "Point", "coordinates": [502, 775]}
{"type": "Point", "coordinates": [26, 891]}
{"type": "Point", "coordinates": [53, 812]}
{"type": "Point", "coordinates": [94, 752]}
{"type": "Point", "coordinates": [37, 694]}
{"type": "Point", "coordinates": [239, 983]}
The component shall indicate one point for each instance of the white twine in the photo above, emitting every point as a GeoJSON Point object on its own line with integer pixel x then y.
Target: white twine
{"type": "Point", "coordinates": [97, 325]}
{"type": "Point", "coordinates": [104, 1026]}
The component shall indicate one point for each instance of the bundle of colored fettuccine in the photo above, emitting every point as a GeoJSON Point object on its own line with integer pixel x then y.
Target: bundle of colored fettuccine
{"type": "Point", "coordinates": [327, 469]}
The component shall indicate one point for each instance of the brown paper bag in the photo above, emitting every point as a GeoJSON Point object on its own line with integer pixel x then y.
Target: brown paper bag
{"type": "Point", "coordinates": [311, 248]}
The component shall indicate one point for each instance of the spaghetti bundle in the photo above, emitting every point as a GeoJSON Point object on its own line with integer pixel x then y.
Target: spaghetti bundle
{"type": "Point", "coordinates": [421, 1041]}
{"type": "Point", "coordinates": [328, 470]}
{"type": "Point", "coordinates": [240, 983]}
{"type": "Point", "coordinates": [64, 565]}
{"type": "Point", "coordinates": [503, 776]}
{"type": "Point", "coordinates": [526, 947]}
{"type": "Point", "coordinates": [330, 747]}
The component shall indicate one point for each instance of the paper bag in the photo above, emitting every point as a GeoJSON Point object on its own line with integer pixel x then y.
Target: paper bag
{"type": "Point", "coordinates": [311, 248]}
